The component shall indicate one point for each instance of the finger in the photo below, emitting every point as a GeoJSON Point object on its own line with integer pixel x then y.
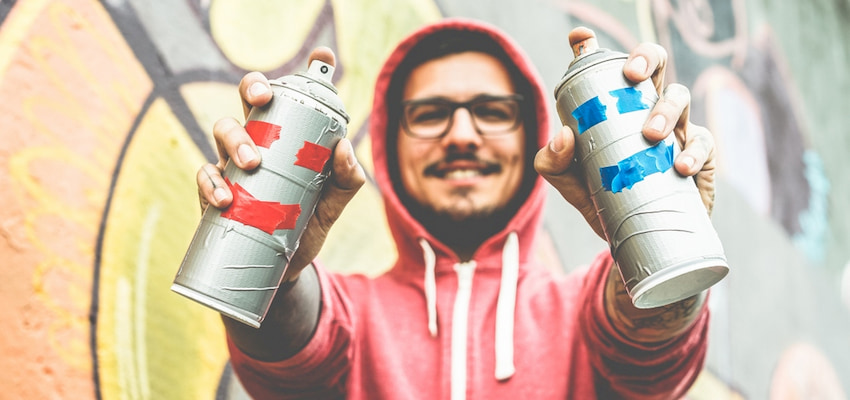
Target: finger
{"type": "Point", "coordinates": [345, 180]}
{"type": "Point", "coordinates": [706, 185]}
{"type": "Point", "coordinates": [583, 41]}
{"type": "Point", "coordinates": [555, 158]}
{"type": "Point", "coordinates": [234, 143]}
{"type": "Point", "coordinates": [671, 111]}
{"type": "Point", "coordinates": [212, 189]}
{"type": "Point", "coordinates": [348, 174]}
{"type": "Point", "coordinates": [698, 159]}
{"type": "Point", "coordinates": [254, 90]}
{"type": "Point", "coordinates": [323, 54]}
{"type": "Point", "coordinates": [555, 163]}
{"type": "Point", "coordinates": [698, 152]}
{"type": "Point", "coordinates": [648, 60]}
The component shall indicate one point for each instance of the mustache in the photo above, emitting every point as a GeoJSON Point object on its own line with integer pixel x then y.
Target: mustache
{"type": "Point", "coordinates": [439, 168]}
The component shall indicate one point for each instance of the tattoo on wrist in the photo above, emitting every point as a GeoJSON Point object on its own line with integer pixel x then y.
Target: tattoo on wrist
{"type": "Point", "coordinates": [649, 325]}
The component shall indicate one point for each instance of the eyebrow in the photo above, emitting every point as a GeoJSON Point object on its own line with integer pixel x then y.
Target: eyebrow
{"type": "Point", "coordinates": [444, 99]}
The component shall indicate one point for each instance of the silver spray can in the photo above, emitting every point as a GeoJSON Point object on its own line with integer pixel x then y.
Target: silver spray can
{"type": "Point", "coordinates": [238, 256]}
{"type": "Point", "coordinates": [656, 225]}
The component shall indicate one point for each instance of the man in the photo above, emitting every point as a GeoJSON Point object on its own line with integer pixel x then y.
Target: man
{"type": "Point", "coordinates": [459, 133]}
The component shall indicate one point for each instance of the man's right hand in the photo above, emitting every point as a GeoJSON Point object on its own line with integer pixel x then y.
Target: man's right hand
{"type": "Point", "coordinates": [234, 144]}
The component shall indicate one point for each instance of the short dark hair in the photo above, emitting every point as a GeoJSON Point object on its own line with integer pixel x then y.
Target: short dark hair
{"type": "Point", "coordinates": [444, 43]}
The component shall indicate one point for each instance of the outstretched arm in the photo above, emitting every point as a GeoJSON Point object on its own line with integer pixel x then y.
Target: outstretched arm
{"type": "Point", "coordinates": [669, 115]}
{"type": "Point", "coordinates": [294, 313]}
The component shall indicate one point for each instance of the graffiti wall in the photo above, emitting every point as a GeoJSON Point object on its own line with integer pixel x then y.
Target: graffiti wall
{"type": "Point", "coordinates": [107, 110]}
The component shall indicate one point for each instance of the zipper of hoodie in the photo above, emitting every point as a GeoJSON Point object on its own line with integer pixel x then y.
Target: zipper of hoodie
{"type": "Point", "coordinates": [460, 325]}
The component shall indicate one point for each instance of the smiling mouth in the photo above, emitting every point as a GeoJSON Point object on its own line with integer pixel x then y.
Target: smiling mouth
{"type": "Point", "coordinates": [461, 171]}
{"type": "Point", "coordinates": [459, 174]}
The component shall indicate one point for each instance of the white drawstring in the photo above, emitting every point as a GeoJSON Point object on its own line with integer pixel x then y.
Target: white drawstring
{"type": "Point", "coordinates": [505, 306]}
{"type": "Point", "coordinates": [430, 286]}
{"type": "Point", "coordinates": [505, 309]}
{"type": "Point", "coordinates": [460, 328]}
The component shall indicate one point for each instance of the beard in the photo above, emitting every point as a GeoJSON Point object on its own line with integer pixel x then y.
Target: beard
{"type": "Point", "coordinates": [463, 230]}
{"type": "Point", "coordinates": [463, 226]}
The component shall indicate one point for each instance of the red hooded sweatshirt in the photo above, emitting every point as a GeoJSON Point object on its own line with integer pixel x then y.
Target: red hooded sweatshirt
{"type": "Point", "coordinates": [502, 326]}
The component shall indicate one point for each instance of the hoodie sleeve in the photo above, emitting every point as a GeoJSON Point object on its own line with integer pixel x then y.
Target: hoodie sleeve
{"type": "Point", "coordinates": [628, 369]}
{"type": "Point", "coordinates": [318, 371]}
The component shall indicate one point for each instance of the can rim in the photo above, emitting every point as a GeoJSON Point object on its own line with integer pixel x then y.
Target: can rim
{"type": "Point", "coordinates": [319, 99]}
{"type": "Point", "coordinates": [244, 316]}
{"type": "Point", "coordinates": [586, 61]}
{"type": "Point", "coordinates": [708, 270]}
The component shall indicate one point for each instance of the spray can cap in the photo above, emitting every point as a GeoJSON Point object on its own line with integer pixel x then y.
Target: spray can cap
{"type": "Point", "coordinates": [316, 82]}
{"type": "Point", "coordinates": [321, 70]}
{"type": "Point", "coordinates": [587, 53]}
{"type": "Point", "coordinates": [583, 41]}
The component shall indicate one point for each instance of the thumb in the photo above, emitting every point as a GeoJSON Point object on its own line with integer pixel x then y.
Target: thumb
{"type": "Point", "coordinates": [345, 180]}
{"type": "Point", "coordinates": [555, 163]}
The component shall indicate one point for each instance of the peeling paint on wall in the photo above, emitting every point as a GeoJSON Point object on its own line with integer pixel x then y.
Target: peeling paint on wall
{"type": "Point", "coordinates": [108, 109]}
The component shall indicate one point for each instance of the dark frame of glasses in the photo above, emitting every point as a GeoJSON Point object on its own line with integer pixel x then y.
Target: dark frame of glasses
{"type": "Point", "coordinates": [515, 101]}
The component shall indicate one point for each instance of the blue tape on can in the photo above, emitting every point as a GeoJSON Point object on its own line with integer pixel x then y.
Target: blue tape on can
{"type": "Point", "coordinates": [589, 113]}
{"type": "Point", "coordinates": [629, 99]}
{"type": "Point", "coordinates": [635, 168]}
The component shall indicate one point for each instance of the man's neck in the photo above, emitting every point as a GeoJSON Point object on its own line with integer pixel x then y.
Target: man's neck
{"type": "Point", "coordinates": [464, 236]}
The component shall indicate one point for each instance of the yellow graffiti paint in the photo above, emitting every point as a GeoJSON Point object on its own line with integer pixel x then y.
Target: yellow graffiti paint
{"type": "Point", "coordinates": [60, 144]}
{"type": "Point", "coordinates": [151, 342]}
{"type": "Point", "coordinates": [262, 35]}
{"type": "Point", "coordinates": [68, 61]}
{"type": "Point", "coordinates": [211, 101]}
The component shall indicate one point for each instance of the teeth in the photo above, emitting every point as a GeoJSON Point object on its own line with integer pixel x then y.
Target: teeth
{"type": "Point", "coordinates": [463, 174]}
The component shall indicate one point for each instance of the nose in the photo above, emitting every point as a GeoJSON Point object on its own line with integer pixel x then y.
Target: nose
{"type": "Point", "coordinates": [462, 135]}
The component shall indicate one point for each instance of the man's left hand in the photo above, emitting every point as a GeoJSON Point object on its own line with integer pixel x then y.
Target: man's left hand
{"type": "Point", "coordinates": [669, 115]}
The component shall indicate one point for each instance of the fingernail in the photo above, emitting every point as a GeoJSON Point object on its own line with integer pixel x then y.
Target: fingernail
{"type": "Point", "coordinates": [220, 195]}
{"type": "Point", "coordinates": [352, 160]}
{"type": "Point", "coordinates": [557, 143]}
{"type": "Point", "coordinates": [638, 65]}
{"type": "Point", "coordinates": [257, 89]}
{"type": "Point", "coordinates": [246, 153]}
{"type": "Point", "coordinates": [688, 161]}
{"type": "Point", "coordinates": [657, 123]}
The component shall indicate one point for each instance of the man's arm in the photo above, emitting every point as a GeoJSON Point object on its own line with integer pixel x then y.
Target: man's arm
{"type": "Point", "coordinates": [289, 324]}
{"type": "Point", "coordinates": [294, 313]}
{"type": "Point", "coordinates": [670, 115]}
{"type": "Point", "coordinates": [651, 325]}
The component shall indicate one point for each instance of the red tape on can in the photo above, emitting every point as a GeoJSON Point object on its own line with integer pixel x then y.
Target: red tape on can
{"type": "Point", "coordinates": [266, 216]}
{"type": "Point", "coordinates": [263, 133]}
{"type": "Point", "coordinates": [313, 156]}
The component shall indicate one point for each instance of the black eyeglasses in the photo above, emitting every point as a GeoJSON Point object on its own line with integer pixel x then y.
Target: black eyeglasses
{"type": "Point", "coordinates": [431, 118]}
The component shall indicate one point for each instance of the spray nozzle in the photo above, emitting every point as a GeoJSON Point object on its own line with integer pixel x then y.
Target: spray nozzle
{"type": "Point", "coordinates": [583, 41]}
{"type": "Point", "coordinates": [321, 70]}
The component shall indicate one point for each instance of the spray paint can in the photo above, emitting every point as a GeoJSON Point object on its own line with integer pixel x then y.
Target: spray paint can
{"type": "Point", "coordinates": [656, 225]}
{"type": "Point", "coordinates": [238, 256]}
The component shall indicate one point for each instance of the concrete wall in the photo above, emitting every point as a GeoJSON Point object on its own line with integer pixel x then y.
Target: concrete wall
{"type": "Point", "coordinates": [106, 109]}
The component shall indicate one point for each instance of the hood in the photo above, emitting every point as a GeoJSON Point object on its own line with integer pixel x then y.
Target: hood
{"type": "Point", "coordinates": [406, 231]}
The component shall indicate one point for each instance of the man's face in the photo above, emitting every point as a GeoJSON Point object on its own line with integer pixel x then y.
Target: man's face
{"type": "Point", "coordinates": [462, 173]}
